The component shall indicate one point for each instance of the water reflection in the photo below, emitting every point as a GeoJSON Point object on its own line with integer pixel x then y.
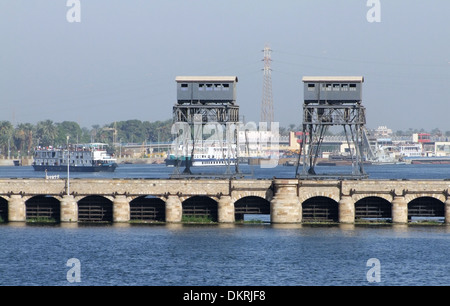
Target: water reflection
{"type": "Point", "coordinates": [69, 225]}
{"type": "Point", "coordinates": [346, 227]}
{"type": "Point", "coordinates": [223, 254]}
{"type": "Point", "coordinates": [287, 226]}
{"type": "Point", "coordinates": [16, 224]}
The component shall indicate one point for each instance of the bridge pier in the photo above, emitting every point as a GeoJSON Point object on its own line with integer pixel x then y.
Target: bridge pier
{"type": "Point", "coordinates": [16, 208]}
{"type": "Point", "coordinates": [346, 209]}
{"type": "Point", "coordinates": [447, 210]}
{"type": "Point", "coordinates": [174, 209]}
{"type": "Point", "coordinates": [69, 209]}
{"type": "Point", "coordinates": [121, 209]}
{"type": "Point", "coordinates": [285, 206]}
{"type": "Point", "coordinates": [399, 210]}
{"type": "Point", "coordinates": [225, 210]}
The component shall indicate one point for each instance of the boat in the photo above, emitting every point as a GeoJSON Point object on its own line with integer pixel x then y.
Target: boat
{"type": "Point", "coordinates": [386, 155]}
{"type": "Point", "coordinates": [409, 151]}
{"type": "Point", "coordinates": [91, 157]}
{"type": "Point", "coordinates": [414, 154]}
{"type": "Point", "coordinates": [204, 156]}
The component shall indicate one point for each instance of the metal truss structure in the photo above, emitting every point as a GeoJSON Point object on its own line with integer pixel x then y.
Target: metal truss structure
{"type": "Point", "coordinates": [211, 117]}
{"type": "Point", "coordinates": [318, 117]}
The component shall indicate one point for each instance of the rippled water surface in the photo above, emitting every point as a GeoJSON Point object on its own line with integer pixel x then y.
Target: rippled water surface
{"type": "Point", "coordinates": [246, 254]}
{"type": "Point", "coordinates": [224, 254]}
{"type": "Point", "coordinates": [139, 171]}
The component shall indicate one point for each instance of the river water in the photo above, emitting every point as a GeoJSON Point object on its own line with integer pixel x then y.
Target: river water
{"type": "Point", "coordinates": [226, 255]}
{"type": "Point", "coordinates": [141, 171]}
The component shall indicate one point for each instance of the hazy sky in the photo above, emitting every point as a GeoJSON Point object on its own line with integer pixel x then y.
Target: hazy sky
{"type": "Point", "coordinates": [121, 60]}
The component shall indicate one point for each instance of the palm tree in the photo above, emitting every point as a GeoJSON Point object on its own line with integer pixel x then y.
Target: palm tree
{"type": "Point", "coordinates": [46, 132]}
{"type": "Point", "coordinates": [23, 137]}
{"type": "Point", "coordinates": [29, 129]}
{"type": "Point", "coordinates": [6, 131]}
{"type": "Point", "coordinates": [19, 137]}
{"type": "Point", "coordinates": [95, 129]}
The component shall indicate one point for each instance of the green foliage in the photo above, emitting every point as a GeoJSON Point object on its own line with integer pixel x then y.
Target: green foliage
{"type": "Point", "coordinates": [41, 220]}
{"type": "Point", "coordinates": [6, 132]}
{"type": "Point", "coordinates": [71, 129]}
{"type": "Point", "coordinates": [196, 219]}
{"type": "Point", "coordinates": [25, 136]}
{"type": "Point", "coordinates": [46, 132]}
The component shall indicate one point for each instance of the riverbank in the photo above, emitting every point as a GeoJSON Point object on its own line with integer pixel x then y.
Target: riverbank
{"type": "Point", "coordinates": [23, 161]}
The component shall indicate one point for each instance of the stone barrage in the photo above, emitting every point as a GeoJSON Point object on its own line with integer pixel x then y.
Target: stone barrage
{"type": "Point", "coordinates": [290, 200]}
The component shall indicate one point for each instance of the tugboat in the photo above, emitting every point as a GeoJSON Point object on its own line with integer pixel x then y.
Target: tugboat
{"type": "Point", "coordinates": [91, 157]}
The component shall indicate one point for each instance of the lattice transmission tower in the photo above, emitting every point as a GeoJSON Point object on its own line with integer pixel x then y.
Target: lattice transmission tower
{"type": "Point", "coordinates": [267, 98]}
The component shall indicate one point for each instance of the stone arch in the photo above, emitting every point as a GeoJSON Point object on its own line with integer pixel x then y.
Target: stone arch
{"type": "Point", "coordinates": [109, 197]}
{"type": "Point", "coordinates": [373, 207]}
{"type": "Point", "coordinates": [251, 205]}
{"type": "Point", "coordinates": [43, 208]}
{"type": "Point", "coordinates": [3, 210]}
{"type": "Point", "coordinates": [413, 196]}
{"type": "Point", "coordinates": [148, 208]}
{"type": "Point", "coordinates": [426, 207]}
{"type": "Point", "coordinates": [200, 207]}
{"type": "Point", "coordinates": [95, 208]}
{"type": "Point", "coordinates": [385, 196]}
{"type": "Point", "coordinates": [320, 209]}
{"type": "Point", "coordinates": [306, 196]}
{"type": "Point", "coordinates": [266, 195]}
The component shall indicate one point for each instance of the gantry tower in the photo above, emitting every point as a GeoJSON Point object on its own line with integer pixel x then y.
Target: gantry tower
{"type": "Point", "coordinates": [205, 105]}
{"type": "Point", "coordinates": [332, 101]}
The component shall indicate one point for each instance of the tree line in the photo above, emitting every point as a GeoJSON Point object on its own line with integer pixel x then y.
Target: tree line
{"type": "Point", "coordinates": [23, 138]}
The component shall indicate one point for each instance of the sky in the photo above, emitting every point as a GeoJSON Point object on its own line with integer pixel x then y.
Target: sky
{"type": "Point", "coordinates": [120, 61]}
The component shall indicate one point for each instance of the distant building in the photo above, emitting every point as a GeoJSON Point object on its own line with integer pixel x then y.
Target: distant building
{"type": "Point", "coordinates": [442, 148]}
{"type": "Point", "coordinates": [383, 132]}
{"type": "Point", "coordinates": [421, 137]}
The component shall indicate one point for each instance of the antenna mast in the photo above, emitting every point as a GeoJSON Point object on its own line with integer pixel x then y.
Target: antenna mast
{"type": "Point", "coordinates": [267, 98]}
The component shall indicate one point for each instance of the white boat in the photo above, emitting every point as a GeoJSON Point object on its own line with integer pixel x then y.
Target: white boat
{"type": "Point", "coordinates": [203, 156]}
{"type": "Point", "coordinates": [91, 157]}
{"type": "Point", "coordinates": [411, 151]}
{"type": "Point", "coordinates": [386, 155]}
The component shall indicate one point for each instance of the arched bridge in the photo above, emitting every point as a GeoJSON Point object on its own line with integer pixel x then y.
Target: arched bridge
{"type": "Point", "coordinates": [222, 200]}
